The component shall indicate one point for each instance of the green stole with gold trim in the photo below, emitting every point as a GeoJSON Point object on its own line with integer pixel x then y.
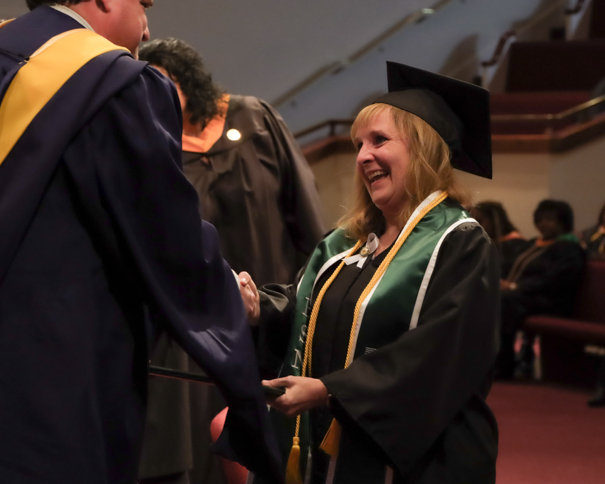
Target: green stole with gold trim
{"type": "Point", "coordinates": [388, 309]}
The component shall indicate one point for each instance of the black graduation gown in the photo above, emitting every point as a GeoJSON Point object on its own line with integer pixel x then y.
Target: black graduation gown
{"type": "Point", "coordinates": [422, 398]}
{"type": "Point", "coordinates": [508, 251]}
{"type": "Point", "coordinates": [594, 245]}
{"type": "Point", "coordinates": [260, 194]}
{"type": "Point", "coordinates": [102, 247]}
{"type": "Point", "coordinates": [547, 285]}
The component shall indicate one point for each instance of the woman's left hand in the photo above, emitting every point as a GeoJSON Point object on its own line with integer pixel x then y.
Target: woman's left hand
{"type": "Point", "coordinates": [302, 394]}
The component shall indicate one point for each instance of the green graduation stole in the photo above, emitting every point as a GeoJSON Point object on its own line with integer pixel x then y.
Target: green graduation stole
{"type": "Point", "coordinates": [394, 296]}
{"type": "Point", "coordinates": [39, 79]}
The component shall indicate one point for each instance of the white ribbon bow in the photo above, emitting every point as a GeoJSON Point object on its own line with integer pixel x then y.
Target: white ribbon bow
{"type": "Point", "coordinates": [368, 249]}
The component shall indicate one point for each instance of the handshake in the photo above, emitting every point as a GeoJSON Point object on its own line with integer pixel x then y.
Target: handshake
{"type": "Point", "coordinates": [250, 297]}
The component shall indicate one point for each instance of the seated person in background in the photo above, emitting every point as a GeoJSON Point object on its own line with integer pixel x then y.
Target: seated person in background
{"type": "Point", "coordinates": [593, 238]}
{"type": "Point", "coordinates": [509, 242]}
{"type": "Point", "coordinates": [255, 186]}
{"type": "Point", "coordinates": [543, 280]}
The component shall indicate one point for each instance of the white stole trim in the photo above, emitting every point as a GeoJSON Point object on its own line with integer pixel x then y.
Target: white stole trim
{"type": "Point", "coordinates": [331, 469]}
{"type": "Point", "coordinates": [324, 268]}
{"type": "Point", "coordinates": [309, 467]}
{"type": "Point", "coordinates": [430, 269]}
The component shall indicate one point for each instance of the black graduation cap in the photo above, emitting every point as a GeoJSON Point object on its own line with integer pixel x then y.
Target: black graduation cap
{"type": "Point", "coordinates": [457, 110]}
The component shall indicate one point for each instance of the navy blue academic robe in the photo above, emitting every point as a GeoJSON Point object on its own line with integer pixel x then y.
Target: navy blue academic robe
{"type": "Point", "coordinates": [102, 248]}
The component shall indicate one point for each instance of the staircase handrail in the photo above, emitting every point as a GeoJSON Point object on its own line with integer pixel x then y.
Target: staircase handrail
{"type": "Point", "coordinates": [577, 9]}
{"type": "Point", "coordinates": [337, 66]}
{"type": "Point", "coordinates": [499, 49]}
{"type": "Point", "coordinates": [331, 123]}
{"type": "Point", "coordinates": [574, 111]}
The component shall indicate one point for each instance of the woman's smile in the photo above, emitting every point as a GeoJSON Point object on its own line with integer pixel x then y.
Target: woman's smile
{"type": "Point", "coordinates": [382, 162]}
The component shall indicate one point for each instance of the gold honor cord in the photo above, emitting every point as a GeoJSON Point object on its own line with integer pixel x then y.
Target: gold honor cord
{"type": "Point", "coordinates": [293, 475]}
{"type": "Point", "coordinates": [46, 71]}
{"type": "Point", "coordinates": [332, 437]}
{"type": "Point", "coordinates": [600, 231]}
{"type": "Point", "coordinates": [2, 24]}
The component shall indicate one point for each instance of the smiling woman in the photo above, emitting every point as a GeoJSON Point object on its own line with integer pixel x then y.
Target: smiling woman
{"type": "Point", "coordinates": [394, 319]}
{"type": "Point", "coordinates": [401, 160]}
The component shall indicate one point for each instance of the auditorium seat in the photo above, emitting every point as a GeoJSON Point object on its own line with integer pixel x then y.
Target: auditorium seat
{"type": "Point", "coordinates": [563, 340]}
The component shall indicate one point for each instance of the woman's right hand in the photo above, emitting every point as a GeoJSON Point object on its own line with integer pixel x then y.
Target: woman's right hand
{"type": "Point", "coordinates": [302, 394]}
{"type": "Point", "coordinates": [250, 296]}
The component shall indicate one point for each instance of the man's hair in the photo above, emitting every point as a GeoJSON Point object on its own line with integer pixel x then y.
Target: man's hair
{"type": "Point", "coordinates": [429, 170]}
{"type": "Point", "coordinates": [31, 4]}
{"type": "Point", "coordinates": [561, 210]}
{"type": "Point", "coordinates": [185, 66]}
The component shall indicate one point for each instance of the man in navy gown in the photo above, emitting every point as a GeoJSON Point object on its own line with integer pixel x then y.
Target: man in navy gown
{"type": "Point", "coordinates": [101, 249]}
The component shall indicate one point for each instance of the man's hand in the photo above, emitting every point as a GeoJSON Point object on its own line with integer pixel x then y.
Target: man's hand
{"type": "Point", "coordinates": [250, 296]}
{"type": "Point", "coordinates": [302, 394]}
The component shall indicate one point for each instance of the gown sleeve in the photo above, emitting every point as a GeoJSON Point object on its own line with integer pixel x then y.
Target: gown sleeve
{"type": "Point", "coordinates": [300, 201]}
{"type": "Point", "coordinates": [277, 303]}
{"type": "Point", "coordinates": [145, 215]}
{"type": "Point", "coordinates": [418, 383]}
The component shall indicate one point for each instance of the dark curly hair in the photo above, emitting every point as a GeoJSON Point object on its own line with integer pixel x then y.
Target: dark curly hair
{"type": "Point", "coordinates": [561, 210]}
{"type": "Point", "coordinates": [185, 66]}
{"type": "Point", "coordinates": [31, 4]}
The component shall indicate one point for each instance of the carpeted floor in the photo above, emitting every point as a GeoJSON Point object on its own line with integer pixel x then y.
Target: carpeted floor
{"type": "Point", "coordinates": [548, 435]}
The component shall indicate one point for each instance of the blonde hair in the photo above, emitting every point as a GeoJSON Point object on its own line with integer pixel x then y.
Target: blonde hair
{"type": "Point", "coordinates": [429, 170]}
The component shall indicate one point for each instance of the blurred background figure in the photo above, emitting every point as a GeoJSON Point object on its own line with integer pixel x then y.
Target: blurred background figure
{"type": "Point", "coordinates": [593, 238]}
{"type": "Point", "coordinates": [543, 279]}
{"type": "Point", "coordinates": [257, 189]}
{"type": "Point", "coordinates": [508, 240]}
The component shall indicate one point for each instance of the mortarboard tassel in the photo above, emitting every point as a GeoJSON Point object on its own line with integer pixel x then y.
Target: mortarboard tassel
{"type": "Point", "coordinates": [293, 469]}
{"type": "Point", "coordinates": [332, 439]}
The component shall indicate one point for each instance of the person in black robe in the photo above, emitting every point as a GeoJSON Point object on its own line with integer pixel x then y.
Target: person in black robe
{"type": "Point", "coordinates": [543, 280]}
{"type": "Point", "coordinates": [494, 220]}
{"type": "Point", "coordinates": [593, 238]}
{"type": "Point", "coordinates": [256, 188]}
{"type": "Point", "coordinates": [394, 319]}
{"type": "Point", "coordinates": [593, 242]}
{"type": "Point", "coordinates": [102, 249]}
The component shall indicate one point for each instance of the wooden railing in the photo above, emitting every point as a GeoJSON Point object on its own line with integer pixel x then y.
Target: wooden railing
{"type": "Point", "coordinates": [584, 128]}
{"type": "Point", "coordinates": [331, 124]}
{"type": "Point", "coordinates": [580, 112]}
